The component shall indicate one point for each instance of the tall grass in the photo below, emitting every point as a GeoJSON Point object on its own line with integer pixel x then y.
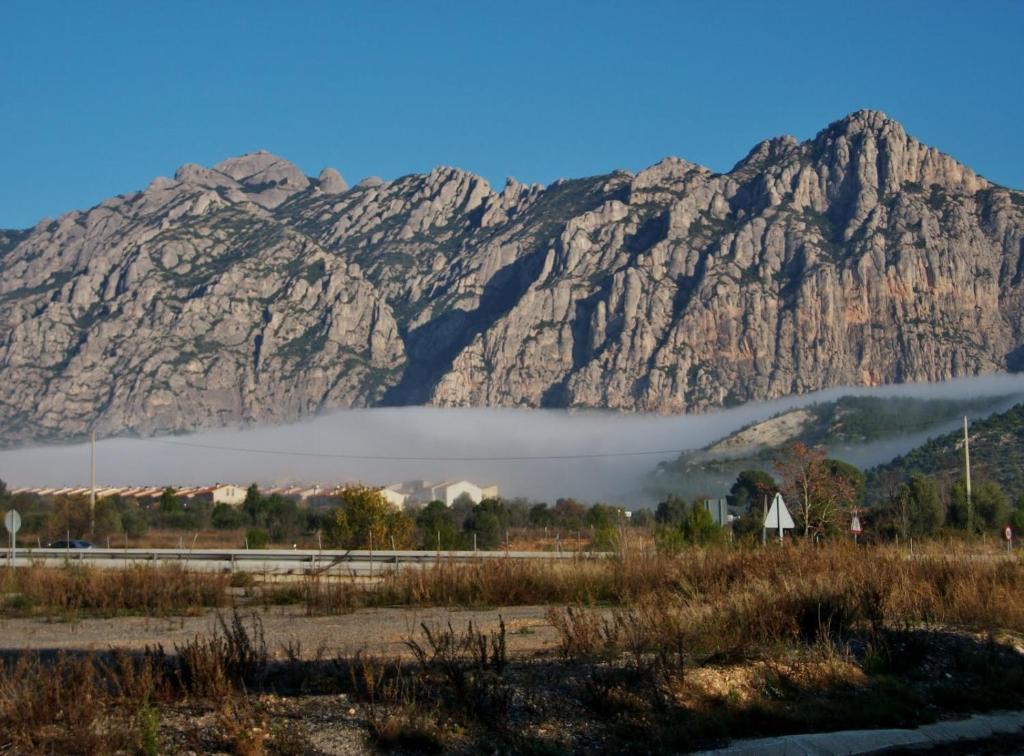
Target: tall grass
{"type": "Point", "coordinates": [766, 593]}
{"type": "Point", "coordinates": [140, 589]}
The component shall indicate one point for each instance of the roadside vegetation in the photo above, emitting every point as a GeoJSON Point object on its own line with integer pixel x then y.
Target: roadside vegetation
{"type": "Point", "coordinates": [670, 627]}
{"type": "Point", "coordinates": [72, 592]}
{"type": "Point", "coordinates": [688, 648]}
{"type": "Point", "coordinates": [822, 493]}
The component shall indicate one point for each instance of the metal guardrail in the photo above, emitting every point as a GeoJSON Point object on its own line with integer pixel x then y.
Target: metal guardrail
{"type": "Point", "coordinates": [290, 555]}
{"type": "Point", "coordinates": [275, 559]}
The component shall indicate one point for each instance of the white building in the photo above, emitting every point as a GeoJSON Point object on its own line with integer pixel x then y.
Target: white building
{"type": "Point", "coordinates": [393, 496]}
{"type": "Point", "coordinates": [448, 491]}
{"type": "Point", "coordinates": [227, 494]}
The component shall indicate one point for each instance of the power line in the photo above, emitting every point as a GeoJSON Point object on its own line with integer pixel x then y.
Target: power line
{"type": "Point", "coordinates": [391, 458]}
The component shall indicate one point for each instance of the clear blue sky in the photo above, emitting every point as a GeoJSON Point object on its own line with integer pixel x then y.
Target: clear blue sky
{"type": "Point", "coordinates": [97, 98]}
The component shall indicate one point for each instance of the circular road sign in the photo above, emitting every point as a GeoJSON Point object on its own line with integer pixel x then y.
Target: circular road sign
{"type": "Point", "coordinates": [12, 521]}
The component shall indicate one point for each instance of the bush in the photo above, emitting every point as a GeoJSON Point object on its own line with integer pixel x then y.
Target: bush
{"type": "Point", "coordinates": [227, 517]}
{"type": "Point", "coordinates": [436, 528]}
{"type": "Point", "coordinates": [256, 538]}
{"type": "Point", "coordinates": [364, 520]}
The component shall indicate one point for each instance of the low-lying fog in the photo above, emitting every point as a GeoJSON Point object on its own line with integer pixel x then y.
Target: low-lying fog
{"type": "Point", "coordinates": [274, 455]}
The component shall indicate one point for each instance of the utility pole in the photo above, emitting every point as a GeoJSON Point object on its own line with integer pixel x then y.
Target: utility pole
{"type": "Point", "coordinates": [967, 476]}
{"type": "Point", "coordinates": [92, 483]}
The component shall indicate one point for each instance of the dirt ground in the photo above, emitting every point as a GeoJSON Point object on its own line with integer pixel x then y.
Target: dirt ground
{"type": "Point", "coordinates": [379, 631]}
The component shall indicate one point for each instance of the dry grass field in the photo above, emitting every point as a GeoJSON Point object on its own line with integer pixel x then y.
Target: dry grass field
{"type": "Point", "coordinates": [684, 652]}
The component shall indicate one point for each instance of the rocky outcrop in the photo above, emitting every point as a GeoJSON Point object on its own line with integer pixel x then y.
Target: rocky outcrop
{"type": "Point", "coordinates": [248, 292]}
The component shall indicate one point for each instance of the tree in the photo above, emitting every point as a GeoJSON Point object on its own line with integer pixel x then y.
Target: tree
{"type": "Point", "coordinates": [928, 512]}
{"type": "Point", "coordinates": [541, 516]}
{"type": "Point", "coordinates": [991, 505]}
{"type": "Point", "coordinates": [108, 517]}
{"type": "Point", "coordinates": [852, 479]}
{"type": "Point", "coordinates": [133, 519]}
{"type": "Point", "coordinates": [642, 518]}
{"type": "Point", "coordinates": [283, 518]}
{"type": "Point", "coordinates": [684, 523]}
{"type": "Point", "coordinates": [3, 492]}
{"type": "Point", "coordinates": [517, 512]}
{"type": "Point", "coordinates": [672, 511]}
{"type": "Point", "coordinates": [363, 520]}
{"type": "Point", "coordinates": [256, 538]}
{"type": "Point", "coordinates": [169, 501]}
{"type": "Point", "coordinates": [750, 489]}
{"type": "Point", "coordinates": [488, 521]}
{"type": "Point", "coordinates": [568, 514]}
{"type": "Point", "coordinates": [915, 508]}
{"type": "Point", "coordinates": [958, 510]}
{"type": "Point", "coordinates": [436, 527]}
{"type": "Point", "coordinates": [255, 507]}
{"type": "Point", "coordinates": [699, 527]}
{"type": "Point", "coordinates": [1017, 518]}
{"type": "Point", "coordinates": [227, 517]}
{"type": "Point", "coordinates": [819, 490]}
{"type": "Point", "coordinates": [69, 517]}
{"type": "Point", "coordinates": [604, 521]}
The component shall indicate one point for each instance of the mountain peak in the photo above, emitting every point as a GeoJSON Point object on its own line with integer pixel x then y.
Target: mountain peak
{"type": "Point", "coordinates": [866, 121]}
{"type": "Point", "coordinates": [263, 178]}
{"type": "Point", "coordinates": [859, 257]}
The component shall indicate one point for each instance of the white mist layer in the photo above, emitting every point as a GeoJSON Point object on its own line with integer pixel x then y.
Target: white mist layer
{"type": "Point", "coordinates": [443, 432]}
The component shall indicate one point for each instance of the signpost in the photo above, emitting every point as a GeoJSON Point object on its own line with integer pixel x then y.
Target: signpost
{"type": "Point", "coordinates": [855, 527]}
{"type": "Point", "coordinates": [1008, 537]}
{"type": "Point", "coordinates": [12, 521]}
{"type": "Point", "coordinates": [778, 516]}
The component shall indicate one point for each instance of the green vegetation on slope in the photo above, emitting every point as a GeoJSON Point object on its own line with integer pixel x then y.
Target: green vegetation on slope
{"type": "Point", "coordinates": [997, 453]}
{"type": "Point", "coordinates": [848, 420]}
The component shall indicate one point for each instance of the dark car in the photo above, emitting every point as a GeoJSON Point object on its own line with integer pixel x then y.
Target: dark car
{"type": "Point", "coordinates": [76, 544]}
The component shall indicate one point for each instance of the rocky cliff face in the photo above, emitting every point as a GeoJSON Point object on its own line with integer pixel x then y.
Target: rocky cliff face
{"type": "Point", "coordinates": [248, 292]}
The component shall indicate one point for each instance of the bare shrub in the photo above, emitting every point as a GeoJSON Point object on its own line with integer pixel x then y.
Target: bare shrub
{"type": "Point", "coordinates": [233, 656]}
{"type": "Point", "coordinates": [64, 706]}
{"type": "Point", "coordinates": [469, 662]}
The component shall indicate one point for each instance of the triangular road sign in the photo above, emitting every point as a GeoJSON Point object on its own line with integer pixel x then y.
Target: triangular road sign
{"type": "Point", "coordinates": [778, 516]}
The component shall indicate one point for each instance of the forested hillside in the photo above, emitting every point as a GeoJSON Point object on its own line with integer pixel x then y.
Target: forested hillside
{"type": "Point", "coordinates": [997, 454]}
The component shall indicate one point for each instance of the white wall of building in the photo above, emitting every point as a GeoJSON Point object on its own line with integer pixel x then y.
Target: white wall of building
{"type": "Point", "coordinates": [394, 498]}
{"type": "Point", "coordinates": [233, 495]}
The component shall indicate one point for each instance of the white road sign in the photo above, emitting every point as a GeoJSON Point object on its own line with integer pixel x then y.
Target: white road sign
{"type": "Point", "coordinates": [778, 516]}
{"type": "Point", "coordinates": [855, 527]}
{"type": "Point", "coordinates": [12, 521]}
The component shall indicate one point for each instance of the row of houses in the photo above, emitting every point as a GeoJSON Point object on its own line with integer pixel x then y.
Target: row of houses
{"type": "Point", "coordinates": [221, 493]}
{"type": "Point", "coordinates": [409, 495]}
{"type": "Point", "coordinates": [416, 493]}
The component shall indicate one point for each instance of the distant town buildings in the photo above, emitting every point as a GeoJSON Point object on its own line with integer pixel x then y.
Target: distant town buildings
{"type": "Point", "coordinates": [418, 492]}
{"type": "Point", "coordinates": [400, 495]}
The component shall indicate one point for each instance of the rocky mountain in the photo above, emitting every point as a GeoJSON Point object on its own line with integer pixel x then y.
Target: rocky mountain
{"type": "Point", "coordinates": [249, 292]}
